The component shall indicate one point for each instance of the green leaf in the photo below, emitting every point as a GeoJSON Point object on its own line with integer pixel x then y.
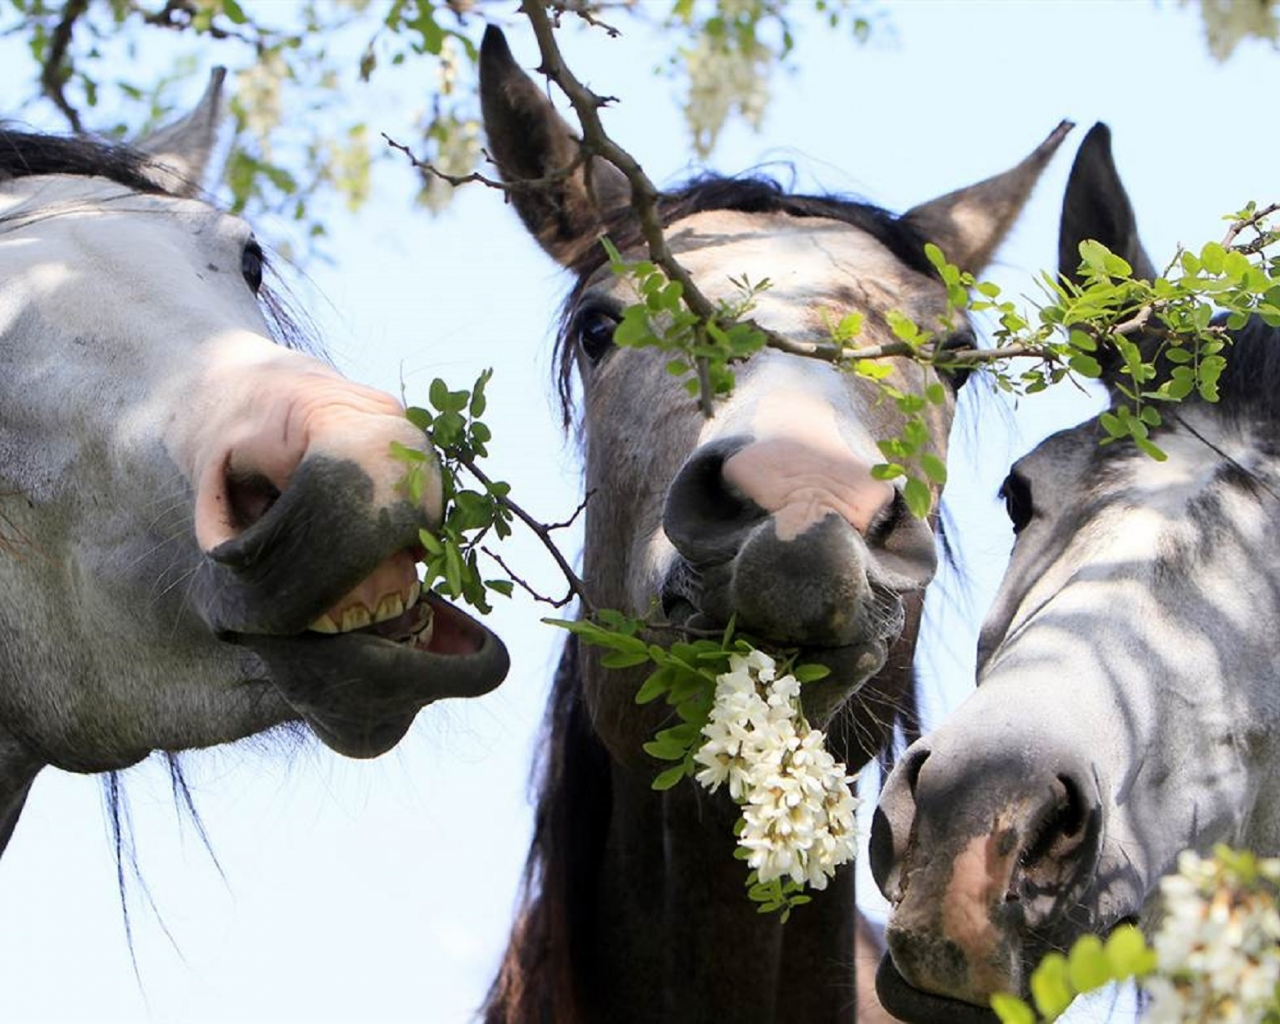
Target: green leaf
{"type": "Point", "coordinates": [670, 777]}
{"type": "Point", "coordinates": [811, 673]}
{"type": "Point", "coordinates": [654, 686]}
{"type": "Point", "coordinates": [453, 569]}
{"type": "Point", "coordinates": [1128, 953]}
{"type": "Point", "coordinates": [1051, 986]}
{"type": "Point", "coordinates": [233, 12]}
{"type": "Point", "coordinates": [1011, 1009]}
{"type": "Point", "coordinates": [934, 468]}
{"type": "Point", "coordinates": [665, 750]}
{"type": "Point", "coordinates": [1213, 257]}
{"type": "Point", "coordinates": [1085, 365]}
{"type": "Point", "coordinates": [1087, 964]}
{"type": "Point", "coordinates": [917, 496]}
{"type": "Point", "coordinates": [624, 659]}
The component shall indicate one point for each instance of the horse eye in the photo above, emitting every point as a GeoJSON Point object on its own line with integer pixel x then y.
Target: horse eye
{"type": "Point", "coordinates": [252, 261]}
{"type": "Point", "coordinates": [594, 332]}
{"type": "Point", "coordinates": [963, 340]}
{"type": "Point", "coordinates": [1016, 492]}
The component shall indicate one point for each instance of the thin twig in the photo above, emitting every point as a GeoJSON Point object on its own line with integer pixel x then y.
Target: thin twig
{"type": "Point", "coordinates": [525, 586]}
{"type": "Point", "coordinates": [456, 180]}
{"type": "Point", "coordinates": [645, 196]}
{"type": "Point", "coordinates": [541, 531]}
{"type": "Point", "coordinates": [582, 507]}
{"type": "Point", "coordinates": [1249, 248]}
{"type": "Point", "coordinates": [586, 12]}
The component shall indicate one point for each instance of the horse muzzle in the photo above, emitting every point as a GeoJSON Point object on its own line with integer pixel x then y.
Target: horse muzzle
{"type": "Point", "coordinates": [796, 548]}
{"type": "Point", "coordinates": [986, 850]}
{"type": "Point", "coordinates": [322, 588]}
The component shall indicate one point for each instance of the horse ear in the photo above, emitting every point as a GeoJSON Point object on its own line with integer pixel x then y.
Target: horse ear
{"type": "Point", "coordinates": [969, 223]}
{"type": "Point", "coordinates": [528, 140]}
{"type": "Point", "coordinates": [181, 152]}
{"type": "Point", "coordinates": [1097, 206]}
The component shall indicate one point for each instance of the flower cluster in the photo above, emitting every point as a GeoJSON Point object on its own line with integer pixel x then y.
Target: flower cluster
{"type": "Point", "coordinates": [1217, 944]}
{"type": "Point", "coordinates": [797, 808]}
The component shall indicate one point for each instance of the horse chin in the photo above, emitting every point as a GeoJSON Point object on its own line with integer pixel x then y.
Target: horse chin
{"type": "Point", "coordinates": [851, 665]}
{"type": "Point", "coordinates": [908, 1003]}
{"type": "Point", "coordinates": [360, 691]}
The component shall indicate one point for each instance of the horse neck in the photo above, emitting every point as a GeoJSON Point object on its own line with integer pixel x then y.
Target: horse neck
{"type": "Point", "coordinates": [635, 908]}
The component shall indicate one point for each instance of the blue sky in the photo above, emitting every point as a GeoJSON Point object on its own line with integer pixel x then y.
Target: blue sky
{"type": "Point", "coordinates": [383, 891]}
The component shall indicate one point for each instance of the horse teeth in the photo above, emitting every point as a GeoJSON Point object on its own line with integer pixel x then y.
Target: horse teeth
{"type": "Point", "coordinates": [391, 606]}
{"type": "Point", "coordinates": [426, 630]}
{"type": "Point", "coordinates": [324, 624]}
{"type": "Point", "coordinates": [355, 617]}
{"type": "Point", "coordinates": [415, 592]}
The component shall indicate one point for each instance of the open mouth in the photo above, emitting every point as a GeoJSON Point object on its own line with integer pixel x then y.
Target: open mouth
{"type": "Point", "coordinates": [390, 603]}
{"type": "Point", "coordinates": [362, 670]}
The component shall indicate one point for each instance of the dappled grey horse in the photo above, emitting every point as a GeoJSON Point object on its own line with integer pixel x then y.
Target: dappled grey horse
{"type": "Point", "coordinates": [1127, 705]}
{"type": "Point", "coordinates": [203, 532]}
{"type": "Point", "coordinates": [767, 514]}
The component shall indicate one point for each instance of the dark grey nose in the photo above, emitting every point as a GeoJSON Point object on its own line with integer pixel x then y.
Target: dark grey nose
{"type": "Point", "coordinates": [980, 838]}
{"type": "Point", "coordinates": [831, 584]}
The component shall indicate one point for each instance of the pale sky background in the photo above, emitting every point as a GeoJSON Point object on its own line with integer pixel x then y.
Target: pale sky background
{"type": "Point", "coordinates": [383, 891]}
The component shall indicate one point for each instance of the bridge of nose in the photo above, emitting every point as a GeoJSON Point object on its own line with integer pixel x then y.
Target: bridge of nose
{"type": "Point", "coordinates": [277, 415]}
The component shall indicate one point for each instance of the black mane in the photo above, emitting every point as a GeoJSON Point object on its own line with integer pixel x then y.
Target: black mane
{"type": "Point", "coordinates": [30, 154]}
{"type": "Point", "coordinates": [747, 194]}
{"type": "Point", "coordinates": [1250, 383]}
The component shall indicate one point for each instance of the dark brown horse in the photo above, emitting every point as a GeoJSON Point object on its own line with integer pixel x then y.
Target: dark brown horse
{"type": "Point", "coordinates": [634, 907]}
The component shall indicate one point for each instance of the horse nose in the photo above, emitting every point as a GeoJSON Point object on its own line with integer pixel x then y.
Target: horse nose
{"type": "Point", "coordinates": [294, 414]}
{"type": "Point", "coordinates": [975, 844]}
{"type": "Point", "coordinates": [794, 536]}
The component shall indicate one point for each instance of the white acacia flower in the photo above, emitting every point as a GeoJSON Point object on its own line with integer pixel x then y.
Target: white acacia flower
{"type": "Point", "coordinates": [1216, 946]}
{"type": "Point", "coordinates": [797, 807]}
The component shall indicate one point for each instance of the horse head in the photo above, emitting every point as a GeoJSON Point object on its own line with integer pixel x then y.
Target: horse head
{"type": "Point", "coordinates": [204, 531]}
{"type": "Point", "coordinates": [767, 513]}
{"type": "Point", "coordinates": [1123, 710]}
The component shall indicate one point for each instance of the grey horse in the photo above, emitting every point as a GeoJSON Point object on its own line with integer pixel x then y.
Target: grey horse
{"type": "Point", "coordinates": [203, 531]}
{"type": "Point", "coordinates": [1126, 706]}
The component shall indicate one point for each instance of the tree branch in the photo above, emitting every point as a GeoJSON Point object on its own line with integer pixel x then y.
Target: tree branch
{"type": "Point", "coordinates": [576, 586]}
{"type": "Point", "coordinates": [56, 69]}
{"type": "Point", "coordinates": [517, 185]}
{"type": "Point", "coordinates": [1233, 232]}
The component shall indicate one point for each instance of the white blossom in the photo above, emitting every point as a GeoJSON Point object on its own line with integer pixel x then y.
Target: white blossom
{"type": "Point", "coordinates": [797, 807]}
{"type": "Point", "coordinates": [1216, 945]}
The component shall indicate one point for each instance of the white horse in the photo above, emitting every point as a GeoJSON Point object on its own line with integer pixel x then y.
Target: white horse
{"type": "Point", "coordinates": [1127, 705]}
{"type": "Point", "coordinates": [203, 532]}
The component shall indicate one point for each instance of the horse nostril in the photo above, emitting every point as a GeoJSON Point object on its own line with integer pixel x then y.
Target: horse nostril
{"type": "Point", "coordinates": [1058, 832]}
{"type": "Point", "coordinates": [704, 516]}
{"type": "Point", "coordinates": [886, 519]}
{"type": "Point", "coordinates": [893, 821]}
{"type": "Point", "coordinates": [912, 763]}
{"type": "Point", "coordinates": [903, 548]}
{"type": "Point", "coordinates": [249, 498]}
{"type": "Point", "coordinates": [1057, 850]}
